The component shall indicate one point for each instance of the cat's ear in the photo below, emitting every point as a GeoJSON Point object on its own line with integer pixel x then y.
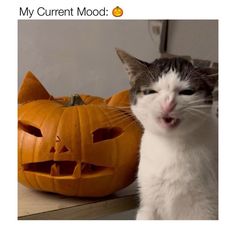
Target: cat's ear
{"type": "Point", "coordinates": [133, 66]}
{"type": "Point", "coordinates": [31, 89]}
{"type": "Point", "coordinates": [210, 76]}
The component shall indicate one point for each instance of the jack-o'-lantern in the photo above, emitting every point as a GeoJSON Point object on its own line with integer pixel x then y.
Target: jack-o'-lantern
{"type": "Point", "coordinates": [117, 12]}
{"type": "Point", "coordinates": [86, 147]}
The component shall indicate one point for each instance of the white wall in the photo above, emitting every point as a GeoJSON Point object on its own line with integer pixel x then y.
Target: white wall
{"type": "Point", "coordinates": [197, 38]}
{"type": "Point", "coordinates": [70, 56]}
{"type": "Point", "coordinates": [78, 56]}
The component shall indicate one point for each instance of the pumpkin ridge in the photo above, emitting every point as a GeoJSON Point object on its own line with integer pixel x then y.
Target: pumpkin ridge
{"type": "Point", "coordinates": [26, 111]}
{"type": "Point", "coordinates": [116, 152]}
{"type": "Point", "coordinates": [81, 134]}
{"type": "Point", "coordinates": [32, 105]}
{"type": "Point", "coordinates": [49, 114]}
{"type": "Point", "coordinates": [78, 187]}
{"type": "Point", "coordinates": [80, 114]}
{"type": "Point", "coordinates": [37, 182]}
{"type": "Point", "coordinates": [36, 141]}
{"type": "Point", "coordinates": [22, 113]}
{"type": "Point", "coordinates": [99, 107]}
{"type": "Point", "coordinates": [21, 159]}
{"type": "Point", "coordinates": [107, 118]}
{"type": "Point", "coordinates": [89, 123]}
{"type": "Point", "coordinates": [74, 120]}
{"type": "Point", "coordinates": [59, 122]}
{"type": "Point", "coordinates": [79, 129]}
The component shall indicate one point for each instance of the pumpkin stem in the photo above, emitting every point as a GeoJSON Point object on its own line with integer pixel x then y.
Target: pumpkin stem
{"type": "Point", "coordinates": [75, 100]}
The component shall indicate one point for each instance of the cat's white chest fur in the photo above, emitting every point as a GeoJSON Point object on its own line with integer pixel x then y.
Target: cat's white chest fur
{"type": "Point", "coordinates": [177, 176]}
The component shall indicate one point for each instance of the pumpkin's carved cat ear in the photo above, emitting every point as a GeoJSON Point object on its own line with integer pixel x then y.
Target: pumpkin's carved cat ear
{"type": "Point", "coordinates": [31, 89]}
{"type": "Point", "coordinates": [132, 65]}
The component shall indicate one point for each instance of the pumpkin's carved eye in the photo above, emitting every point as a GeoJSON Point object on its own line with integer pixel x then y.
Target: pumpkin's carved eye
{"type": "Point", "coordinates": [102, 134]}
{"type": "Point", "coordinates": [28, 128]}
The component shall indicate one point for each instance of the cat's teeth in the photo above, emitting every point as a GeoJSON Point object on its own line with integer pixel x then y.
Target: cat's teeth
{"type": "Point", "coordinates": [169, 122]}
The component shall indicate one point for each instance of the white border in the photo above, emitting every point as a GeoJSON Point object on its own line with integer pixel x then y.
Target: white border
{"type": "Point", "coordinates": [182, 9]}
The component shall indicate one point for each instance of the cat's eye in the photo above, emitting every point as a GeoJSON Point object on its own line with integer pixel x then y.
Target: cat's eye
{"type": "Point", "coordinates": [148, 91]}
{"type": "Point", "coordinates": [186, 92]}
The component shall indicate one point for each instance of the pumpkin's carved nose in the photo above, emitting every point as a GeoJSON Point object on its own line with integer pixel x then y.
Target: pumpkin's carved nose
{"type": "Point", "coordinates": [64, 149]}
{"type": "Point", "coordinates": [52, 150]}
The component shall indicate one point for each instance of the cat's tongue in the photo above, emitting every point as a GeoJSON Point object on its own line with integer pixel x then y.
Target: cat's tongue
{"type": "Point", "coordinates": [169, 122]}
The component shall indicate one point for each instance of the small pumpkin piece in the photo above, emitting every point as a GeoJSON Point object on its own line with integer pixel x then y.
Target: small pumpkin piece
{"type": "Point", "coordinates": [31, 89]}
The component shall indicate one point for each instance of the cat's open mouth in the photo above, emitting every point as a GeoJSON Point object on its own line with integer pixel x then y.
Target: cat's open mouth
{"type": "Point", "coordinates": [169, 122]}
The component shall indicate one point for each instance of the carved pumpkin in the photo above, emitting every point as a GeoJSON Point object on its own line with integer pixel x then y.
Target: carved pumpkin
{"type": "Point", "coordinates": [117, 12]}
{"type": "Point", "coordinates": [86, 150]}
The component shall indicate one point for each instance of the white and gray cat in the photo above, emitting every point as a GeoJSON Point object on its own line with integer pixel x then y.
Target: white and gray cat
{"type": "Point", "coordinates": [178, 169]}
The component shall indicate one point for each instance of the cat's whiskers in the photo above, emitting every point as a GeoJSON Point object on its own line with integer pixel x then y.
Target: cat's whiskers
{"type": "Point", "coordinates": [201, 106]}
{"type": "Point", "coordinates": [118, 117]}
{"type": "Point", "coordinates": [199, 111]}
{"type": "Point", "coordinates": [198, 106]}
{"type": "Point", "coordinates": [110, 106]}
{"type": "Point", "coordinates": [195, 101]}
{"type": "Point", "coordinates": [194, 113]}
{"type": "Point", "coordinates": [194, 104]}
{"type": "Point", "coordinates": [118, 120]}
{"type": "Point", "coordinates": [110, 110]}
{"type": "Point", "coordinates": [128, 124]}
{"type": "Point", "coordinates": [213, 75]}
{"type": "Point", "coordinates": [118, 113]}
{"type": "Point", "coordinates": [114, 108]}
{"type": "Point", "coordinates": [131, 123]}
{"type": "Point", "coordinates": [114, 116]}
{"type": "Point", "coordinates": [119, 109]}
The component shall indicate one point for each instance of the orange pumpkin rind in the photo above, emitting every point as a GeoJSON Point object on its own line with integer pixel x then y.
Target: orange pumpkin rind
{"type": "Point", "coordinates": [87, 150]}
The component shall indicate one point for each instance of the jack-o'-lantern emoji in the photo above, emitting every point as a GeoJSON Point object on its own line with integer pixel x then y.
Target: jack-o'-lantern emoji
{"type": "Point", "coordinates": [85, 147]}
{"type": "Point", "coordinates": [117, 12]}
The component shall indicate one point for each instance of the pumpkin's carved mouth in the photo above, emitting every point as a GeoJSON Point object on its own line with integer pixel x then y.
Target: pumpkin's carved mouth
{"type": "Point", "coordinates": [64, 168]}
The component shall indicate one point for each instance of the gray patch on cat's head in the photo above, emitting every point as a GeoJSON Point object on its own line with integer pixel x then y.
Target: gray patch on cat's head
{"type": "Point", "coordinates": [204, 80]}
{"type": "Point", "coordinates": [142, 74]}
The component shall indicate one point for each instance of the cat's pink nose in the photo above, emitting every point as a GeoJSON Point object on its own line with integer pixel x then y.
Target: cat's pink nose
{"type": "Point", "coordinates": [167, 107]}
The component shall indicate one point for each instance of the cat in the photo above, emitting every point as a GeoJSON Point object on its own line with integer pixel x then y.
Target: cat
{"type": "Point", "coordinates": [178, 168]}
